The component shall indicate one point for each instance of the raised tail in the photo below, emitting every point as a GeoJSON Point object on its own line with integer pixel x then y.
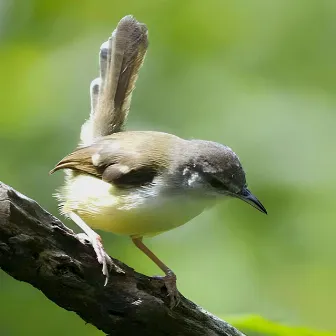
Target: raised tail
{"type": "Point", "coordinates": [121, 58]}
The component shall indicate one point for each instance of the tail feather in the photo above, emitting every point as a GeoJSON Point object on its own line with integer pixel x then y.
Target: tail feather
{"type": "Point", "coordinates": [94, 93]}
{"type": "Point", "coordinates": [121, 58]}
{"type": "Point", "coordinates": [104, 57]}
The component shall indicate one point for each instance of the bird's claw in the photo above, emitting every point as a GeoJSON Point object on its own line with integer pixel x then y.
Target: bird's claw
{"type": "Point", "coordinates": [173, 293]}
{"type": "Point", "coordinates": [102, 257]}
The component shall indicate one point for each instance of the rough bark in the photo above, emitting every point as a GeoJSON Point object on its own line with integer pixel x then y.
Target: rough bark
{"type": "Point", "coordinates": [39, 249]}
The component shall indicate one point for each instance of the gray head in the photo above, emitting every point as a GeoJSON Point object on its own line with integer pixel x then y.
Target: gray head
{"type": "Point", "coordinates": [215, 170]}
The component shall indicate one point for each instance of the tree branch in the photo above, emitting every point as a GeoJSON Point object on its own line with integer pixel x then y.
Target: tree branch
{"type": "Point", "coordinates": [37, 248]}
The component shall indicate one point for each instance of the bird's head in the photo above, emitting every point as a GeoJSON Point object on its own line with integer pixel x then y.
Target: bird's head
{"type": "Point", "coordinates": [215, 170]}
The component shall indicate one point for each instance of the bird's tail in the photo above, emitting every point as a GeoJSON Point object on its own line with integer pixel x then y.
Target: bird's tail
{"type": "Point", "coordinates": [121, 58]}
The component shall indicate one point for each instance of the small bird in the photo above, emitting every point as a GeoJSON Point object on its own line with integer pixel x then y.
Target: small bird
{"type": "Point", "coordinates": [140, 183]}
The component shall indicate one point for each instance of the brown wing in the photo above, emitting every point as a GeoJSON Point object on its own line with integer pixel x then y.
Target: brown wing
{"type": "Point", "coordinates": [127, 159]}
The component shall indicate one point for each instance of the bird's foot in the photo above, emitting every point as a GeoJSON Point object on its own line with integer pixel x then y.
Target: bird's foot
{"type": "Point", "coordinates": [170, 283]}
{"type": "Point", "coordinates": [102, 257]}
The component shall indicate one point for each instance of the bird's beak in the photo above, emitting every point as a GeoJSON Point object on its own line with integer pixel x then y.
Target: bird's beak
{"type": "Point", "coordinates": [249, 198]}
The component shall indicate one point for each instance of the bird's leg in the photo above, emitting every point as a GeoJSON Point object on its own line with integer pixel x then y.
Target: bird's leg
{"type": "Point", "coordinates": [169, 279]}
{"type": "Point", "coordinates": [97, 244]}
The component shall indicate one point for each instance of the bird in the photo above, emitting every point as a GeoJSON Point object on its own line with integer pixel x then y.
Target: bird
{"type": "Point", "coordinates": [140, 183]}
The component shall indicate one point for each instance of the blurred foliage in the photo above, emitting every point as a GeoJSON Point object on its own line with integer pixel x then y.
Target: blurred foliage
{"type": "Point", "coordinates": [256, 75]}
{"type": "Point", "coordinates": [257, 326]}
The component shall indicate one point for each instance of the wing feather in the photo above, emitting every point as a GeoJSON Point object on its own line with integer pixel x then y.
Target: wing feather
{"type": "Point", "coordinates": [116, 160]}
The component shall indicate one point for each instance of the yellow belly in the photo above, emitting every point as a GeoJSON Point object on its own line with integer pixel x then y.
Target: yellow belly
{"type": "Point", "coordinates": [107, 208]}
{"type": "Point", "coordinates": [131, 223]}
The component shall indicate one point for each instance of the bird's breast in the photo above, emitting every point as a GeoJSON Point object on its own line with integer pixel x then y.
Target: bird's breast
{"type": "Point", "coordinates": [145, 211]}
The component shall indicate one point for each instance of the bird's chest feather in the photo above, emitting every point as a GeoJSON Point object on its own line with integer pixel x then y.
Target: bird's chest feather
{"type": "Point", "coordinates": [146, 211]}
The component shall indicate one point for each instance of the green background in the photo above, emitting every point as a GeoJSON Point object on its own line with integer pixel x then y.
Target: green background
{"type": "Point", "coordinates": [257, 75]}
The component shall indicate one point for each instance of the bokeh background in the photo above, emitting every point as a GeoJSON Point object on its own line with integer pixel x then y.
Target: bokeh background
{"type": "Point", "coordinates": [256, 75]}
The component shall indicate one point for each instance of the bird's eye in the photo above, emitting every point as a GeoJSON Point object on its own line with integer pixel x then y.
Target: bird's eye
{"type": "Point", "coordinates": [215, 183]}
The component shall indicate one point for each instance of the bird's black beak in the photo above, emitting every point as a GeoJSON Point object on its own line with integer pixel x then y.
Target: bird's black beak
{"type": "Point", "coordinates": [249, 198]}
